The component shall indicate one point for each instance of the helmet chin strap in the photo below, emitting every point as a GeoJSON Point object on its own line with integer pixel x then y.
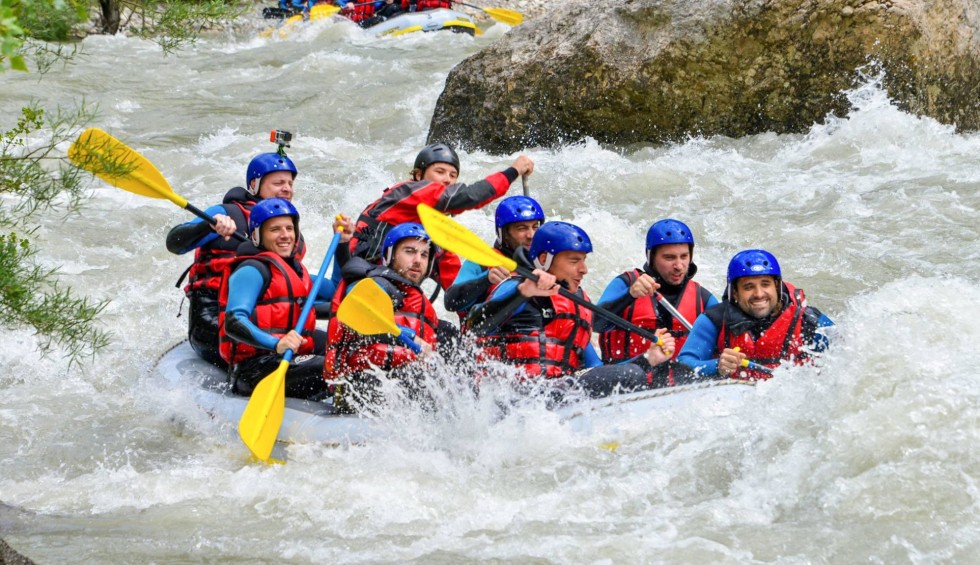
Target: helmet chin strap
{"type": "Point", "coordinates": [547, 262]}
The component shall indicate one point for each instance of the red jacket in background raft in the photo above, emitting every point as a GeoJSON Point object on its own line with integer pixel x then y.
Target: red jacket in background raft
{"type": "Point", "coordinates": [360, 11]}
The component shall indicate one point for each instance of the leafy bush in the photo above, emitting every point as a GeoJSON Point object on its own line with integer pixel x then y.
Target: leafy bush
{"type": "Point", "coordinates": [50, 20]}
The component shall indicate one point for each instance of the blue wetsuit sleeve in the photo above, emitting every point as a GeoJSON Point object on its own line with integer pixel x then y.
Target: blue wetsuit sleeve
{"type": "Point", "coordinates": [699, 351]}
{"type": "Point", "coordinates": [615, 298]}
{"type": "Point", "coordinates": [193, 234]}
{"type": "Point", "coordinates": [470, 286]}
{"type": "Point", "coordinates": [470, 271]}
{"type": "Point", "coordinates": [504, 290]}
{"type": "Point", "coordinates": [711, 301]}
{"type": "Point", "coordinates": [244, 287]}
{"type": "Point", "coordinates": [822, 337]}
{"type": "Point", "coordinates": [504, 302]}
{"type": "Point", "coordinates": [329, 285]}
{"type": "Point", "coordinates": [592, 358]}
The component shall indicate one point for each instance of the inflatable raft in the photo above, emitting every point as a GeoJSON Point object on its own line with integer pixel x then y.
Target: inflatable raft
{"type": "Point", "coordinates": [304, 421]}
{"type": "Point", "coordinates": [441, 19]}
{"type": "Point", "coordinates": [317, 422]}
{"type": "Point", "coordinates": [407, 22]}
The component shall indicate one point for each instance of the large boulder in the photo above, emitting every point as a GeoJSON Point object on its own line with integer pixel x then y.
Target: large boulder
{"type": "Point", "coordinates": [642, 71]}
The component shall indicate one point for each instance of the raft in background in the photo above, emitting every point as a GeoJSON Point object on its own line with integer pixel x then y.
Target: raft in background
{"type": "Point", "coordinates": [439, 19]}
{"type": "Point", "coordinates": [306, 421]}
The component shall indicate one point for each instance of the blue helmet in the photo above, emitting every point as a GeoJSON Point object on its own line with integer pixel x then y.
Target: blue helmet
{"type": "Point", "coordinates": [267, 209]}
{"type": "Point", "coordinates": [263, 164]}
{"type": "Point", "coordinates": [436, 153]}
{"type": "Point", "coordinates": [669, 231]}
{"type": "Point", "coordinates": [517, 209]}
{"type": "Point", "coordinates": [753, 262]}
{"type": "Point", "coordinates": [406, 231]}
{"type": "Point", "coordinates": [554, 237]}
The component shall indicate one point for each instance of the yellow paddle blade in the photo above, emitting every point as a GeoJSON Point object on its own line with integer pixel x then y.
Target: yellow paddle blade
{"type": "Point", "coordinates": [321, 11]}
{"type": "Point", "coordinates": [450, 234]}
{"type": "Point", "coordinates": [262, 417]}
{"type": "Point", "coordinates": [119, 165]}
{"type": "Point", "coordinates": [610, 446]}
{"type": "Point", "coordinates": [368, 310]}
{"type": "Point", "coordinates": [505, 16]}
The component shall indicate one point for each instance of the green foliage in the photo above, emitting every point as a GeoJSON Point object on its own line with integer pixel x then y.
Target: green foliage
{"type": "Point", "coordinates": [35, 178]}
{"type": "Point", "coordinates": [11, 35]}
{"type": "Point", "coordinates": [173, 23]}
{"type": "Point", "coordinates": [50, 20]}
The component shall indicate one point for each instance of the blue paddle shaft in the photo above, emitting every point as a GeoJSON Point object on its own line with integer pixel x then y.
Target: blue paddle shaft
{"type": "Point", "coordinates": [407, 336]}
{"type": "Point", "coordinates": [616, 320]}
{"type": "Point", "coordinates": [209, 219]}
{"type": "Point", "coordinates": [308, 305]}
{"type": "Point", "coordinates": [757, 367]}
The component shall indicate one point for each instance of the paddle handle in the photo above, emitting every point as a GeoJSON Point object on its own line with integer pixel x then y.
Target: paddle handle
{"type": "Point", "coordinates": [624, 324]}
{"type": "Point", "coordinates": [673, 311]}
{"type": "Point", "coordinates": [524, 187]}
{"type": "Point", "coordinates": [407, 336]}
{"type": "Point", "coordinates": [209, 219]}
{"type": "Point", "coordinates": [755, 366]}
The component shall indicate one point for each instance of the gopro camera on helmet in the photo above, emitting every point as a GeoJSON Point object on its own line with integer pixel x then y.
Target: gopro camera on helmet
{"type": "Point", "coordinates": [281, 138]}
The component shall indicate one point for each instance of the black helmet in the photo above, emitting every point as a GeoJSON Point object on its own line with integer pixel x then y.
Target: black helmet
{"type": "Point", "coordinates": [436, 153]}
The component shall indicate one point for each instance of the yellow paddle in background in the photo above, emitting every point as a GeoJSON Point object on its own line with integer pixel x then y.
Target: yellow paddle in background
{"type": "Point", "coordinates": [317, 12]}
{"type": "Point", "coordinates": [450, 234]}
{"type": "Point", "coordinates": [502, 15]}
{"type": "Point", "coordinates": [263, 415]}
{"type": "Point", "coordinates": [367, 310]}
{"type": "Point", "coordinates": [121, 166]}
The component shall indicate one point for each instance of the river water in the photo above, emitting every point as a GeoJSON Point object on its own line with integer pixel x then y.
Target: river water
{"type": "Point", "coordinates": [871, 457]}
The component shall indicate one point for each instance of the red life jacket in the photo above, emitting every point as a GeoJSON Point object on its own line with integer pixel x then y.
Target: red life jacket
{"type": "Point", "coordinates": [557, 349]}
{"type": "Point", "coordinates": [432, 4]}
{"type": "Point", "coordinates": [358, 10]}
{"type": "Point", "coordinates": [212, 261]}
{"type": "Point", "coordinates": [349, 352]}
{"type": "Point", "coordinates": [619, 345]}
{"type": "Point", "coordinates": [783, 339]}
{"type": "Point", "coordinates": [276, 311]}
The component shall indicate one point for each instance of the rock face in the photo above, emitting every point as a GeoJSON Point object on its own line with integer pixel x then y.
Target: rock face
{"type": "Point", "coordinates": [10, 557]}
{"type": "Point", "coordinates": [642, 71]}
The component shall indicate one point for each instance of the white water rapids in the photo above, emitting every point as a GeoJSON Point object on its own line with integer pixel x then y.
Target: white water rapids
{"type": "Point", "coordinates": [872, 458]}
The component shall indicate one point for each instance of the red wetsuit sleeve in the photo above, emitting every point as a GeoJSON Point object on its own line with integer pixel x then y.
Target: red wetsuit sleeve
{"type": "Point", "coordinates": [459, 197]}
